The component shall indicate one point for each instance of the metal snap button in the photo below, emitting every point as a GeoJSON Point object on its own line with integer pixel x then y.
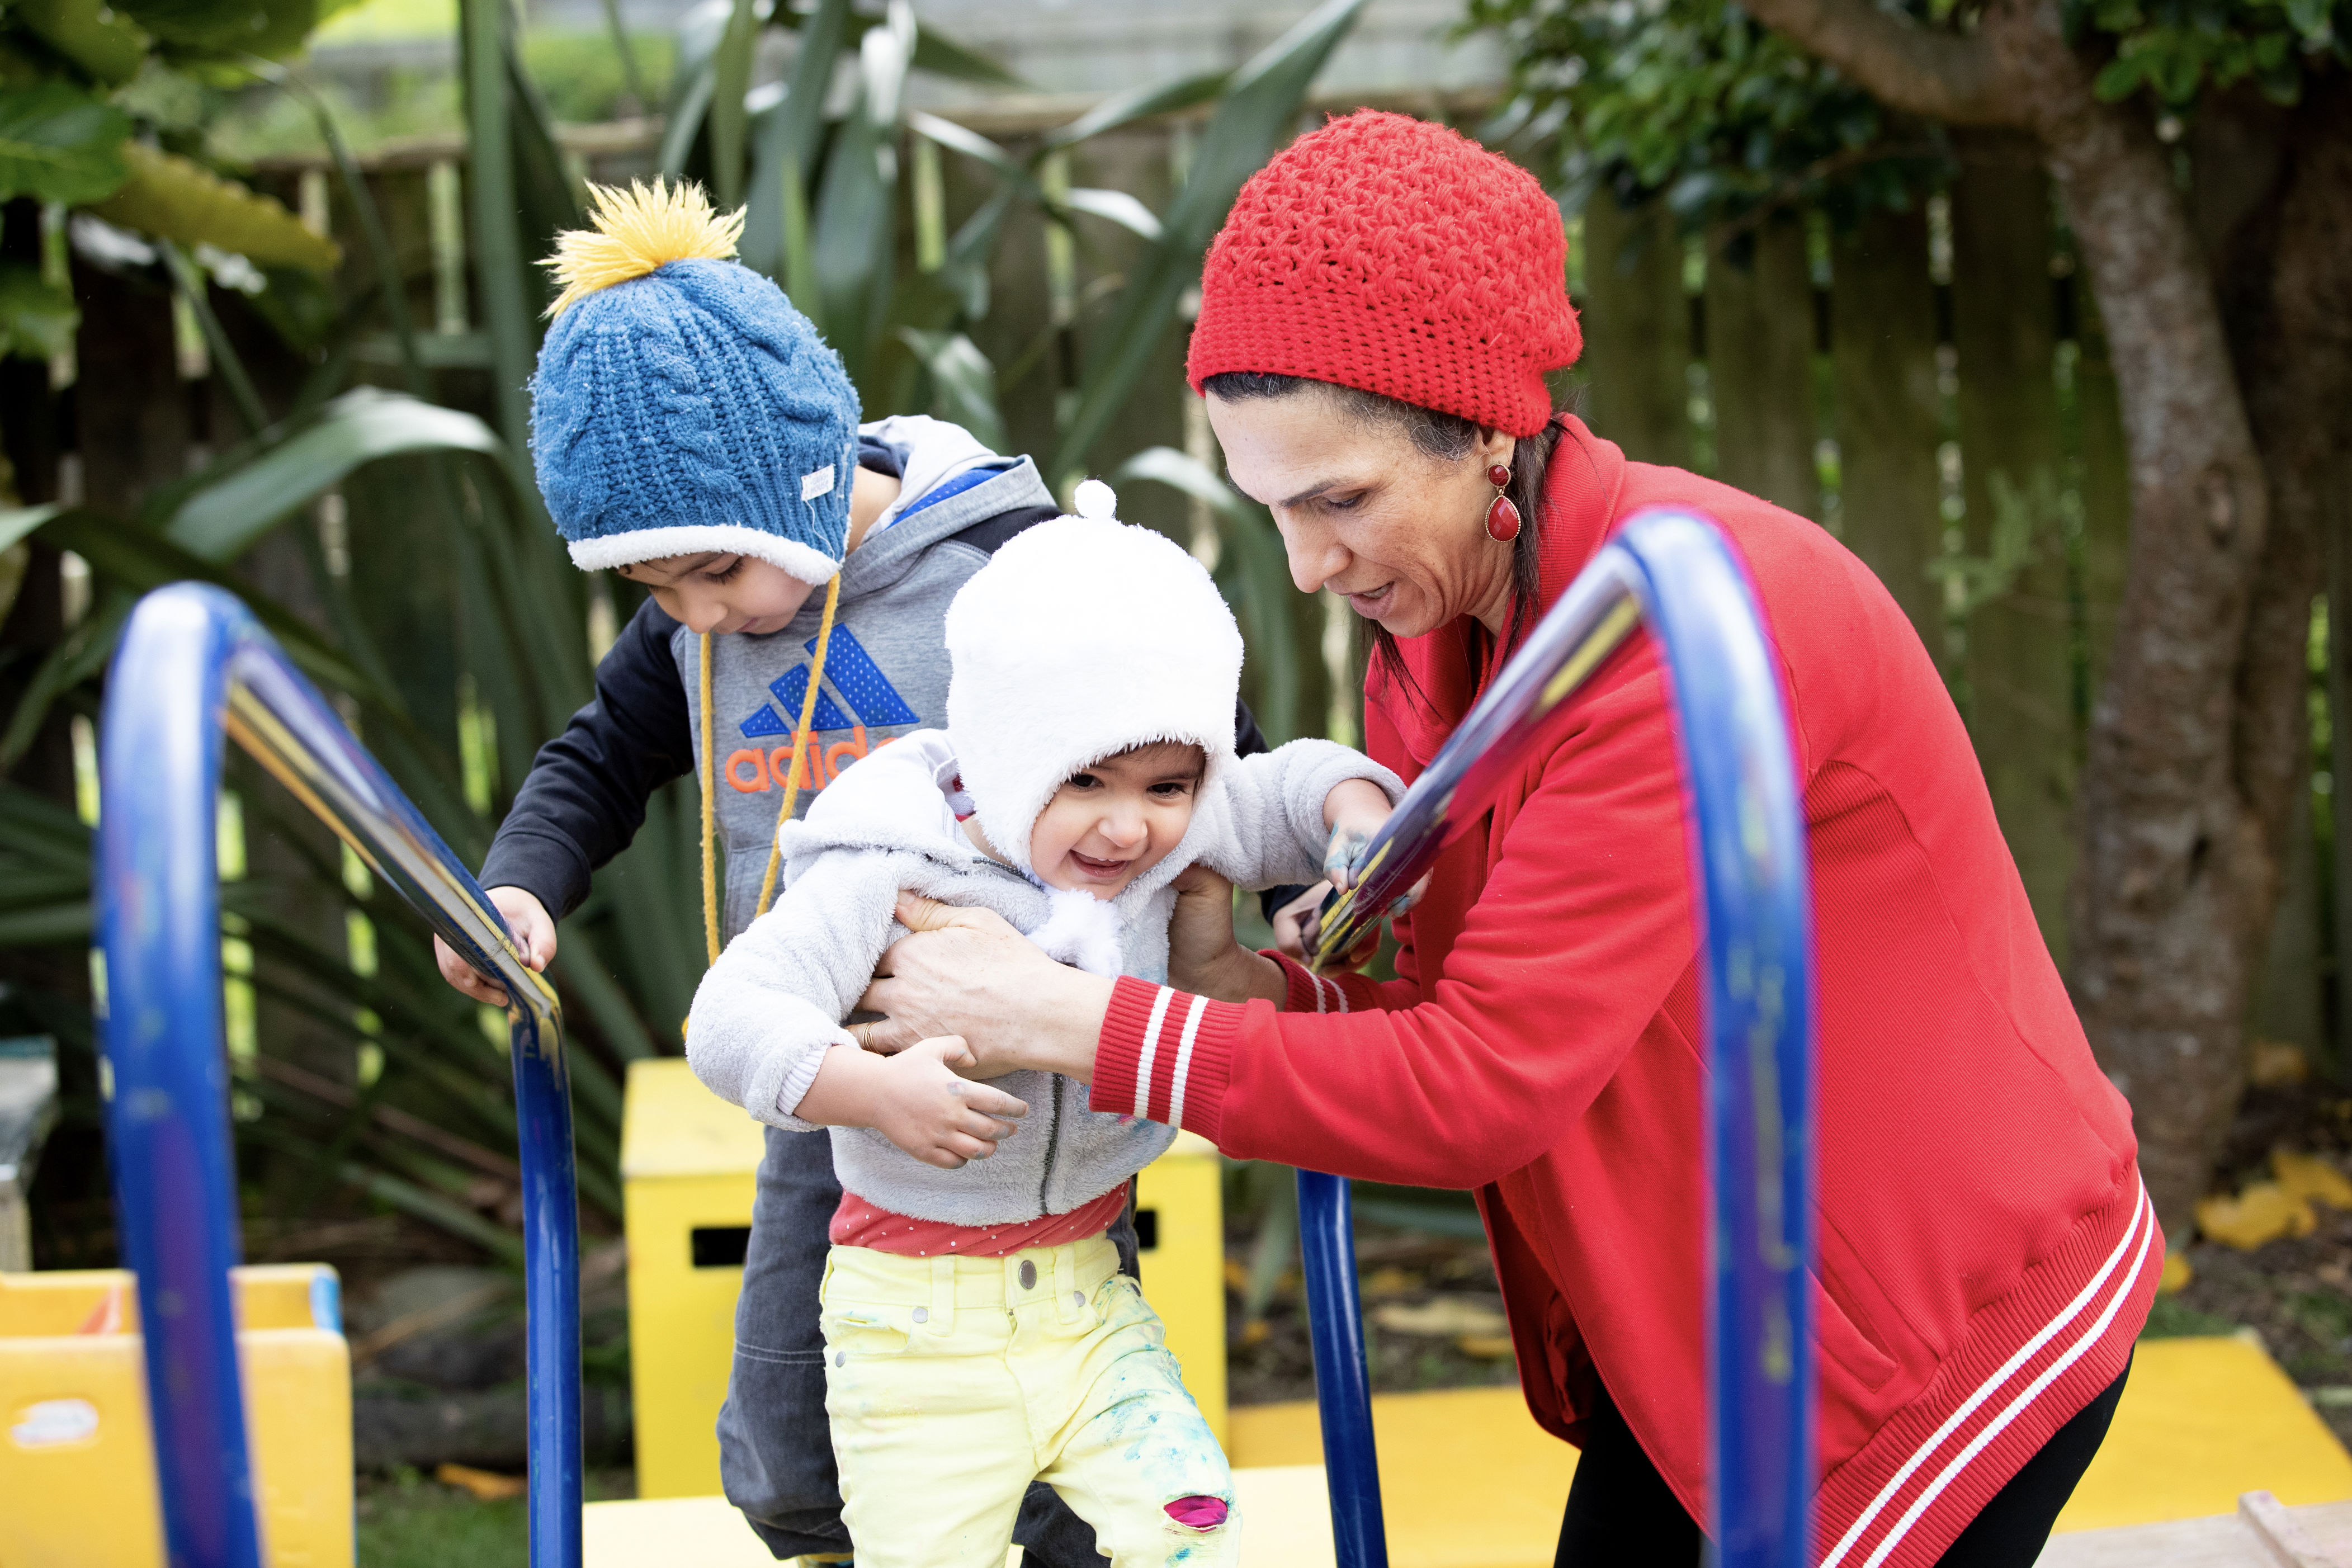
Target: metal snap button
{"type": "Point", "coordinates": [841, 1358]}
{"type": "Point", "coordinates": [1028, 1275]}
{"type": "Point", "coordinates": [922, 1314]}
{"type": "Point", "coordinates": [1078, 1300]}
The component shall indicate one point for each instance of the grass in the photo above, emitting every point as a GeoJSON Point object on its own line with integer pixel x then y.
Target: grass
{"type": "Point", "coordinates": [411, 1522]}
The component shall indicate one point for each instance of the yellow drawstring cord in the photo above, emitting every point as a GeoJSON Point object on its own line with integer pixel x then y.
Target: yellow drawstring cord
{"type": "Point", "coordinates": [709, 876]}
{"type": "Point", "coordinates": [792, 786]}
{"type": "Point", "coordinates": [801, 767]}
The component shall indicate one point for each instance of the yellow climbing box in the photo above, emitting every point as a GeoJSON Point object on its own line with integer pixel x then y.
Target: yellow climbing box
{"type": "Point", "coordinates": [77, 1461]}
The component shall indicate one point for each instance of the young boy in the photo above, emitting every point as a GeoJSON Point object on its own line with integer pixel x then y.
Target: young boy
{"type": "Point", "coordinates": [979, 1335]}
{"type": "Point", "coordinates": [699, 497]}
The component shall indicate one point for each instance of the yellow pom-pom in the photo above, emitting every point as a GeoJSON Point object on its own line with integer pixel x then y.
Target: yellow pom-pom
{"type": "Point", "coordinates": [636, 231]}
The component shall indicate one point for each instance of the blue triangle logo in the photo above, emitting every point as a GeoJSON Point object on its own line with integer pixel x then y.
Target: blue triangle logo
{"type": "Point", "coordinates": [850, 670]}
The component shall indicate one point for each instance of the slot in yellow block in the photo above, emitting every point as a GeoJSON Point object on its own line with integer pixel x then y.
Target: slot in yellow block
{"type": "Point", "coordinates": [76, 1459]}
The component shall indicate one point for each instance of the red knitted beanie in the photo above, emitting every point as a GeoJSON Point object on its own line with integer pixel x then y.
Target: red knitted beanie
{"type": "Point", "coordinates": [1396, 257]}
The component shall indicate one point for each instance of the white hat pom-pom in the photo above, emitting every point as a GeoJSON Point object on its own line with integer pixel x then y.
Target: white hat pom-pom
{"type": "Point", "coordinates": [1096, 499]}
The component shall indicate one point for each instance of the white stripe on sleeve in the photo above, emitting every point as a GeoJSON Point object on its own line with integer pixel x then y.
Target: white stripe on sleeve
{"type": "Point", "coordinates": [1176, 1073]}
{"type": "Point", "coordinates": [1150, 1048]}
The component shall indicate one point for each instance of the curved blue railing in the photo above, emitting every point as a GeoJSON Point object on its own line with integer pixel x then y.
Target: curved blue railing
{"type": "Point", "coordinates": [193, 665]}
{"type": "Point", "coordinates": [1677, 572]}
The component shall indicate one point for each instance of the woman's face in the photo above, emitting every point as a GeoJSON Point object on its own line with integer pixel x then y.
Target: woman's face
{"type": "Point", "coordinates": [1401, 536]}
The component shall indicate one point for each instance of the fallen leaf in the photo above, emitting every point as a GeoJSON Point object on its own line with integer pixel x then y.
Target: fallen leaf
{"type": "Point", "coordinates": [1446, 1316]}
{"type": "Point", "coordinates": [487, 1486]}
{"type": "Point", "coordinates": [2177, 1274]}
{"type": "Point", "coordinates": [1485, 1347]}
{"type": "Point", "coordinates": [2265, 1212]}
{"type": "Point", "coordinates": [1390, 1281]}
{"type": "Point", "coordinates": [2308, 1177]}
{"type": "Point", "coordinates": [2277, 1065]}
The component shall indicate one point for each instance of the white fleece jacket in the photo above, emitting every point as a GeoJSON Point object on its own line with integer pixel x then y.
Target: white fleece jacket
{"type": "Point", "coordinates": [774, 1003]}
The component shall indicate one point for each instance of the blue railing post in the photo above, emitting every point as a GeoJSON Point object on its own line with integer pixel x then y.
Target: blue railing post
{"type": "Point", "coordinates": [1747, 835]}
{"type": "Point", "coordinates": [1335, 1321]}
{"type": "Point", "coordinates": [192, 667]}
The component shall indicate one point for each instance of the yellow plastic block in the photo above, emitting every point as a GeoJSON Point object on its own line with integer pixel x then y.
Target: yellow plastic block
{"type": "Point", "coordinates": [2201, 1421]}
{"type": "Point", "coordinates": [1180, 1217]}
{"type": "Point", "coordinates": [687, 1164]}
{"type": "Point", "coordinates": [76, 1459]}
{"type": "Point", "coordinates": [1468, 1478]}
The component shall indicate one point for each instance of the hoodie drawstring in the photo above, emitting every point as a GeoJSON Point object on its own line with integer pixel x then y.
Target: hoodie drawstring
{"type": "Point", "coordinates": [800, 769]}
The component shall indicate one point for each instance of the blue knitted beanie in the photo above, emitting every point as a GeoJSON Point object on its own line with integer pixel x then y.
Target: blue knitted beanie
{"type": "Point", "coordinates": [681, 403]}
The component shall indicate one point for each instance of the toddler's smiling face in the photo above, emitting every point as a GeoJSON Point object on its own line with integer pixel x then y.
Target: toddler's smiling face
{"type": "Point", "coordinates": [1115, 820]}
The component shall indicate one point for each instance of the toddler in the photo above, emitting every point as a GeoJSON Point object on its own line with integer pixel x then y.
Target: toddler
{"type": "Point", "coordinates": [977, 1334]}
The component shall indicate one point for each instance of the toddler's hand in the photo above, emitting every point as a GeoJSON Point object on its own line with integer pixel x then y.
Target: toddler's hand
{"type": "Point", "coordinates": [1355, 811]}
{"type": "Point", "coordinates": [921, 1103]}
{"type": "Point", "coordinates": [530, 926]}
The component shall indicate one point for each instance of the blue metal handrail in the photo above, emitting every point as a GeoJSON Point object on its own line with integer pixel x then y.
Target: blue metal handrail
{"type": "Point", "coordinates": [193, 666]}
{"type": "Point", "coordinates": [1676, 572]}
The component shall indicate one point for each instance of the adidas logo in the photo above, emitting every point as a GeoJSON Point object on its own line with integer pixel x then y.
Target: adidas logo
{"type": "Point", "coordinates": [853, 695]}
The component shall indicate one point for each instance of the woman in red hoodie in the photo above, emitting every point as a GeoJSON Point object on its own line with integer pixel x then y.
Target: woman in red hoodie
{"type": "Point", "coordinates": [1376, 319]}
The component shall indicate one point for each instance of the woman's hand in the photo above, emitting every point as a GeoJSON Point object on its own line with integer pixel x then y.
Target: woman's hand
{"type": "Point", "coordinates": [967, 972]}
{"type": "Point", "coordinates": [1203, 955]}
{"type": "Point", "coordinates": [533, 931]}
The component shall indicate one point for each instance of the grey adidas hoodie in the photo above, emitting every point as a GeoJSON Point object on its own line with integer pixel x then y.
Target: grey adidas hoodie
{"type": "Point", "coordinates": [773, 1003]}
{"type": "Point", "coordinates": [885, 675]}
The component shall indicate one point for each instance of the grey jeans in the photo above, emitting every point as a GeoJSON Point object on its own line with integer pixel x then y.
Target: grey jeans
{"type": "Point", "coordinates": [775, 1450]}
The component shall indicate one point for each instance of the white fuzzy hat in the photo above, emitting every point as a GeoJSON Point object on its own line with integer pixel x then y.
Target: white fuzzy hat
{"type": "Point", "coordinates": [1083, 637]}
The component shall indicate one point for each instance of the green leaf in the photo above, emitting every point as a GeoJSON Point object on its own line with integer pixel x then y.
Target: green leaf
{"type": "Point", "coordinates": [941, 56]}
{"type": "Point", "coordinates": [60, 144]}
{"type": "Point", "coordinates": [224, 520]}
{"type": "Point", "coordinates": [1186, 473]}
{"type": "Point", "coordinates": [1139, 103]}
{"type": "Point", "coordinates": [20, 522]}
{"type": "Point", "coordinates": [963, 383]}
{"type": "Point", "coordinates": [269, 28]}
{"type": "Point", "coordinates": [36, 318]}
{"type": "Point", "coordinates": [730, 80]}
{"type": "Point", "coordinates": [1116, 205]}
{"type": "Point", "coordinates": [169, 198]}
{"type": "Point", "coordinates": [91, 33]}
{"type": "Point", "coordinates": [786, 159]}
{"type": "Point", "coordinates": [1261, 102]}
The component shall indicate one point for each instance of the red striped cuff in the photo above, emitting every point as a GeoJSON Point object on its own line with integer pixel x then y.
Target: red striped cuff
{"type": "Point", "coordinates": [1307, 991]}
{"type": "Point", "coordinates": [1165, 1056]}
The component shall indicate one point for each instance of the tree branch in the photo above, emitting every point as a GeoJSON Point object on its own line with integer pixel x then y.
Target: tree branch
{"type": "Point", "coordinates": [1937, 76]}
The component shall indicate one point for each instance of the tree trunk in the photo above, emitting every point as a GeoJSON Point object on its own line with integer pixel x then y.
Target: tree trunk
{"type": "Point", "coordinates": [2287, 295]}
{"type": "Point", "coordinates": [2021, 672]}
{"type": "Point", "coordinates": [1890, 414]}
{"type": "Point", "coordinates": [1636, 322]}
{"type": "Point", "coordinates": [2173, 869]}
{"type": "Point", "coordinates": [1760, 355]}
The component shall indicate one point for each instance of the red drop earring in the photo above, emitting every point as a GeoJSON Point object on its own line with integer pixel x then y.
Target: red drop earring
{"type": "Point", "coordinates": [1502, 516]}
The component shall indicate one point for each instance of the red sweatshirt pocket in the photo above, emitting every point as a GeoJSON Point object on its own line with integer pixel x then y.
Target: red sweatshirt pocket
{"type": "Point", "coordinates": [1842, 1343]}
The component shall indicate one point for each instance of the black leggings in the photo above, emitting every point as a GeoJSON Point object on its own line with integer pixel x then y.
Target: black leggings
{"type": "Point", "coordinates": [1621, 1510]}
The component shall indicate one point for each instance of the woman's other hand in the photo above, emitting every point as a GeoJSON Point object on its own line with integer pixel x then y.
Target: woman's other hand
{"type": "Point", "coordinates": [532, 929]}
{"type": "Point", "coordinates": [967, 972]}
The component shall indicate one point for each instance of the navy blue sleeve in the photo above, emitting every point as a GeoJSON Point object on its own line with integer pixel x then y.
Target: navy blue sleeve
{"type": "Point", "coordinates": [585, 796]}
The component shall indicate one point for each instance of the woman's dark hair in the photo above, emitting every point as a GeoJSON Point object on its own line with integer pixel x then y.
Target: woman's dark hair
{"type": "Point", "coordinates": [1446, 438]}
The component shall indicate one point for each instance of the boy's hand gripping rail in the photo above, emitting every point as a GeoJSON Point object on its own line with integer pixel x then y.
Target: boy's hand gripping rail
{"type": "Point", "coordinates": [194, 664]}
{"type": "Point", "coordinates": [1675, 572]}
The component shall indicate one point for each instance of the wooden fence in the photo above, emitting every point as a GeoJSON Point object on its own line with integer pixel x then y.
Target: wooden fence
{"type": "Point", "coordinates": [1932, 386]}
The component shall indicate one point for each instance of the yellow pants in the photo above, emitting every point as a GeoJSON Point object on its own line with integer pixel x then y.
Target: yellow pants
{"type": "Point", "coordinates": [953, 1383]}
